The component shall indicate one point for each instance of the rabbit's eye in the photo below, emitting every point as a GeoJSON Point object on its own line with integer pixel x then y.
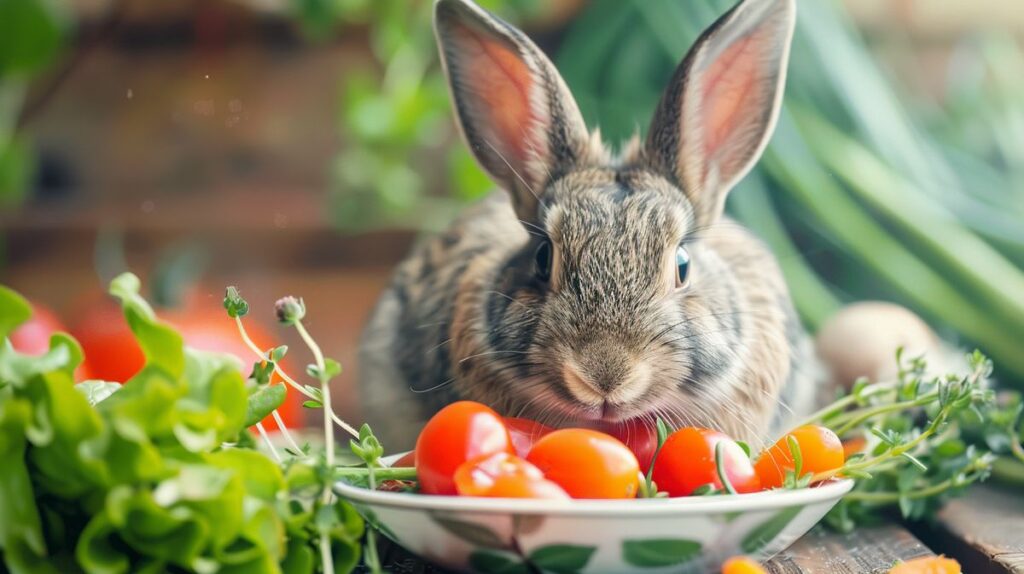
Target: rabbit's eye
{"type": "Point", "coordinates": [682, 266]}
{"type": "Point", "coordinates": [543, 259]}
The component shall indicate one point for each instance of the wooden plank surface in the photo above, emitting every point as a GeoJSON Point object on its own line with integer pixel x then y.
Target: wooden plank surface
{"type": "Point", "coordinates": [866, 550]}
{"type": "Point", "coordinates": [984, 530]}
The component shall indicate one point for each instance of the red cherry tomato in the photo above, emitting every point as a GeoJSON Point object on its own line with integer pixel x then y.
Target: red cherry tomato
{"type": "Point", "coordinates": [820, 451]}
{"type": "Point", "coordinates": [112, 354]}
{"type": "Point", "coordinates": [687, 462]}
{"type": "Point", "coordinates": [459, 432]}
{"type": "Point", "coordinates": [587, 464]}
{"type": "Point", "coordinates": [506, 476]}
{"type": "Point", "coordinates": [641, 438]}
{"type": "Point", "coordinates": [406, 460]}
{"type": "Point", "coordinates": [33, 336]}
{"type": "Point", "coordinates": [525, 433]}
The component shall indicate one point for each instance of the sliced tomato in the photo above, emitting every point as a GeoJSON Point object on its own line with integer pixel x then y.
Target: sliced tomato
{"type": "Point", "coordinates": [504, 475]}
{"type": "Point", "coordinates": [459, 432]}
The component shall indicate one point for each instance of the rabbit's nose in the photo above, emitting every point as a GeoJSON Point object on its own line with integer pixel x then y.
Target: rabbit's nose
{"type": "Point", "coordinates": [605, 380]}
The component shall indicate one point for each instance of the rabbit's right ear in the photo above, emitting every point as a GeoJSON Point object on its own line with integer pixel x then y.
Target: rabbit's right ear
{"type": "Point", "coordinates": [513, 107]}
{"type": "Point", "coordinates": [721, 105]}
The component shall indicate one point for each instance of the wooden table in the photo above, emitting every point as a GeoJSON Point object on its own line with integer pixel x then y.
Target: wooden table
{"type": "Point", "coordinates": [984, 531]}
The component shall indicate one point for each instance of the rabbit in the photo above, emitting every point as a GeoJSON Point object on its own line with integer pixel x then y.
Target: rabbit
{"type": "Point", "coordinates": [599, 288]}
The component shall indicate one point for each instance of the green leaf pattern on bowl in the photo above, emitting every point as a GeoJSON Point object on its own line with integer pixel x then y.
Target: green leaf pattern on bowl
{"type": "Point", "coordinates": [660, 552]}
{"type": "Point", "coordinates": [762, 535]}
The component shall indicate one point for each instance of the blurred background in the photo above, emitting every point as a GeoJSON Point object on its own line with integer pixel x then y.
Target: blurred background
{"type": "Point", "coordinates": [299, 147]}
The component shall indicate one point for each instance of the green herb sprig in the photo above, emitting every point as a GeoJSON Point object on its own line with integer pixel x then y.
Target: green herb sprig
{"type": "Point", "coordinates": [919, 452]}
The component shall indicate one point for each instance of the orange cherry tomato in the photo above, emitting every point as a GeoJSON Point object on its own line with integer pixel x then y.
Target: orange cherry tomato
{"type": "Point", "coordinates": [820, 449]}
{"type": "Point", "coordinates": [587, 464]}
{"type": "Point", "coordinates": [854, 446]}
{"type": "Point", "coordinates": [525, 433]}
{"type": "Point", "coordinates": [504, 475]}
{"type": "Point", "coordinates": [459, 432]}
{"type": "Point", "coordinates": [742, 565]}
{"type": "Point", "coordinates": [687, 462]}
{"type": "Point", "coordinates": [33, 336]}
{"type": "Point", "coordinates": [927, 565]}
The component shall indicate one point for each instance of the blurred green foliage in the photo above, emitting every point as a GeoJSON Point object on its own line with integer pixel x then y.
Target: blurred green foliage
{"type": "Point", "coordinates": [395, 117]}
{"type": "Point", "coordinates": [31, 36]}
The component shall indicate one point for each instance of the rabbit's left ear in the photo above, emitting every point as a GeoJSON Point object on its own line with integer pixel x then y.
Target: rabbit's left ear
{"type": "Point", "coordinates": [514, 109]}
{"type": "Point", "coordinates": [719, 110]}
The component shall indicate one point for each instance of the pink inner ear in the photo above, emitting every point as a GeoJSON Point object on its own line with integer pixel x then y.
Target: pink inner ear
{"type": "Point", "coordinates": [501, 83]}
{"type": "Point", "coordinates": [731, 98]}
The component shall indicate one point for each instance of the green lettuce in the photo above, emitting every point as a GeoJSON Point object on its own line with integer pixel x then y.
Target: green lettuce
{"type": "Point", "coordinates": [150, 475]}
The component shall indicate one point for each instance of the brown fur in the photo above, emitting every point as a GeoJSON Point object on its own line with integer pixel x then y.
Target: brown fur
{"type": "Point", "coordinates": [610, 336]}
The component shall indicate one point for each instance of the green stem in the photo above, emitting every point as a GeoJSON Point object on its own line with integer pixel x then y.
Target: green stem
{"type": "Point", "coordinates": [372, 560]}
{"type": "Point", "coordinates": [890, 454]}
{"type": "Point", "coordinates": [861, 416]}
{"type": "Point", "coordinates": [399, 473]}
{"type": "Point", "coordinates": [325, 390]}
{"type": "Point", "coordinates": [794, 167]}
{"type": "Point", "coordinates": [270, 445]}
{"type": "Point", "coordinates": [288, 379]}
{"type": "Point", "coordinates": [937, 488]}
{"type": "Point", "coordinates": [263, 356]}
{"type": "Point", "coordinates": [846, 401]}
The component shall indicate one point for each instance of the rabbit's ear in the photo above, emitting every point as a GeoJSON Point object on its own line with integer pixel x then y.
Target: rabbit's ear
{"type": "Point", "coordinates": [513, 107]}
{"type": "Point", "coordinates": [719, 110]}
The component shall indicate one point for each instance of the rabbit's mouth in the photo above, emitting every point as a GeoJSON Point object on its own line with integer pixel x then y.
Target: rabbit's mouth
{"type": "Point", "coordinates": [606, 415]}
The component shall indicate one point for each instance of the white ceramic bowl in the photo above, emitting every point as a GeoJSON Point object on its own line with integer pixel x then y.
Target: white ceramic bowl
{"type": "Point", "coordinates": [523, 536]}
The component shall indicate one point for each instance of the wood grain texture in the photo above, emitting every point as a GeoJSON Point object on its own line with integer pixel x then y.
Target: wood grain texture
{"type": "Point", "coordinates": [866, 550]}
{"type": "Point", "coordinates": [984, 530]}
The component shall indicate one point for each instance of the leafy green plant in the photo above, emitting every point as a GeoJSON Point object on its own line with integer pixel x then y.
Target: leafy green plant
{"type": "Point", "coordinates": [31, 36]}
{"type": "Point", "coordinates": [394, 118]}
{"type": "Point", "coordinates": [160, 473]}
